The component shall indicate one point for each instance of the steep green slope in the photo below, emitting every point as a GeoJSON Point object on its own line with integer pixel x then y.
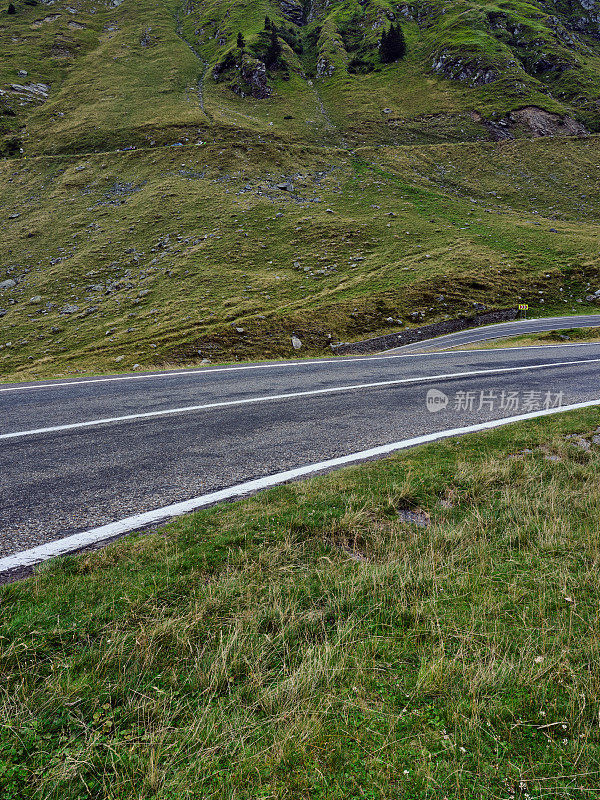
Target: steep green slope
{"type": "Point", "coordinates": [169, 196]}
{"type": "Point", "coordinates": [137, 71]}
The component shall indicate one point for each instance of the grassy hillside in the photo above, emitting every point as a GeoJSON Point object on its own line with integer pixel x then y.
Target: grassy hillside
{"type": "Point", "coordinates": [420, 627]}
{"type": "Point", "coordinates": [174, 255]}
{"type": "Point", "coordinates": [168, 198]}
{"type": "Point", "coordinates": [136, 71]}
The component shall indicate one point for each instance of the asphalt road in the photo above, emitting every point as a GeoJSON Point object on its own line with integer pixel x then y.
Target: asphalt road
{"type": "Point", "coordinates": [215, 427]}
{"type": "Point", "coordinates": [501, 330]}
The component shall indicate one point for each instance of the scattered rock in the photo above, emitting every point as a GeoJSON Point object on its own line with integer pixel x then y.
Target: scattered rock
{"type": "Point", "coordinates": [296, 343]}
{"type": "Point", "coordinates": [521, 453]}
{"type": "Point", "coordinates": [36, 299]}
{"type": "Point", "coordinates": [414, 517]}
{"type": "Point", "coordinates": [31, 91]}
{"type": "Point", "coordinates": [355, 555]}
{"type": "Point", "coordinates": [145, 38]}
{"type": "Point", "coordinates": [69, 309]}
{"type": "Point", "coordinates": [9, 284]}
{"type": "Point", "coordinates": [578, 440]}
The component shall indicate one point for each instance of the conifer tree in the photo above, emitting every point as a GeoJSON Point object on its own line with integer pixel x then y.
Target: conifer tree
{"type": "Point", "coordinates": [267, 23]}
{"type": "Point", "coordinates": [241, 43]}
{"type": "Point", "coordinates": [392, 46]}
{"type": "Point", "coordinates": [11, 9]}
{"type": "Point", "coordinates": [274, 49]}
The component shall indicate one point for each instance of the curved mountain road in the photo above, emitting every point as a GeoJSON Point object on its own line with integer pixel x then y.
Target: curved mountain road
{"type": "Point", "coordinates": [80, 454]}
{"type": "Point", "coordinates": [500, 330]}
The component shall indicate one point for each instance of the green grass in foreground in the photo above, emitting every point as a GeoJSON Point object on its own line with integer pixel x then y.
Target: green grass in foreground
{"type": "Point", "coordinates": [309, 643]}
{"type": "Point", "coordinates": [567, 336]}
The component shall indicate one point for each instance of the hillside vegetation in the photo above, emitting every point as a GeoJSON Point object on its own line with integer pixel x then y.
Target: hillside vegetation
{"type": "Point", "coordinates": [169, 196]}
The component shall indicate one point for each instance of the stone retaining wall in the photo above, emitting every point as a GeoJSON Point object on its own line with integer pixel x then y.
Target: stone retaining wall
{"type": "Point", "coordinates": [411, 335]}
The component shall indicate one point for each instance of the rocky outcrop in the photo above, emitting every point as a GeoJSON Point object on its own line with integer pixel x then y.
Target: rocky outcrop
{"type": "Point", "coordinates": [325, 68]}
{"type": "Point", "coordinates": [467, 70]}
{"type": "Point", "coordinates": [27, 92]}
{"type": "Point", "coordinates": [331, 51]}
{"type": "Point", "coordinates": [543, 123]}
{"type": "Point", "coordinates": [253, 79]}
{"type": "Point", "coordinates": [584, 15]}
{"type": "Point", "coordinates": [532, 121]}
{"type": "Point", "coordinates": [498, 129]}
{"type": "Point", "coordinates": [292, 10]}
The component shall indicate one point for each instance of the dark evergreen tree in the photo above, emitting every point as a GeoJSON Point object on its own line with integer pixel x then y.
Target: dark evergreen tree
{"type": "Point", "coordinates": [241, 43]}
{"type": "Point", "coordinates": [274, 49]}
{"type": "Point", "coordinates": [392, 46]}
{"type": "Point", "coordinates": [11, 9]}
{"type": "Point", "coordinates": [267, 23]}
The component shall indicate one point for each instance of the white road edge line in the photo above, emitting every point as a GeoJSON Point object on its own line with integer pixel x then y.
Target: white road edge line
{"type": "Point", "coordinates": [211, 371]}
{"type": "Point", "coordinates": [516, 347]}
{"type": "Point", "coordinates": [68, 544]}
{"type": "Point", "coordinates": [288, 396]}
{"type": "Point", "coordinates": [452, 349]}
{"type": "Point", "coordinates": [271, 365]}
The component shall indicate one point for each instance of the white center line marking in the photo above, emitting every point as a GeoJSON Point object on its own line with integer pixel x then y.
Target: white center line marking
{"type": "Point", "coordinates": [289, 396]}
{"type": "Point", "coordinates": [68, 544]}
